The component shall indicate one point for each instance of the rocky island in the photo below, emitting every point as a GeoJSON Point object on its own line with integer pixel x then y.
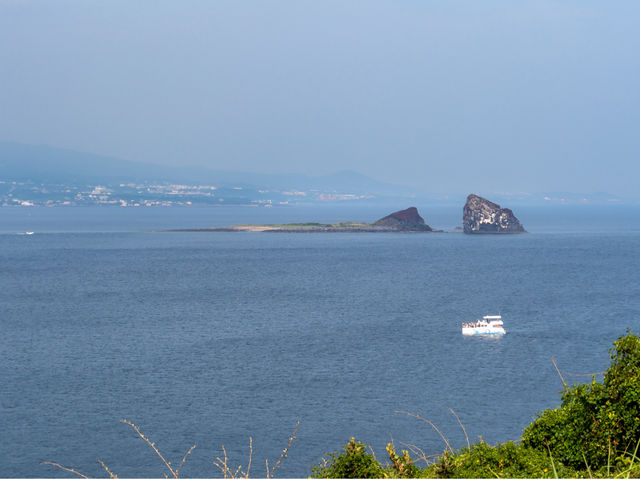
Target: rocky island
{"type": "Point", "coordinates": [404, 221]}
{"type": "Point", "coordinates": [481, 216]}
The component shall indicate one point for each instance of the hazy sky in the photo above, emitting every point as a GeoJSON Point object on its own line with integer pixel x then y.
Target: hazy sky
{"type": "Point", "coordinates": [450, 95]}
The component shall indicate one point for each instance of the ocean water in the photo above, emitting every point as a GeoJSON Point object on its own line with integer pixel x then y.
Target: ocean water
{"type": "Point", "coordinates": [215, 338]}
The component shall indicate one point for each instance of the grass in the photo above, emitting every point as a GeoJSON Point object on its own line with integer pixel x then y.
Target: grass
{"type": "Point", "coordinates": [348, 224]}
{"type": "Point", "coordinates": [228, 471]}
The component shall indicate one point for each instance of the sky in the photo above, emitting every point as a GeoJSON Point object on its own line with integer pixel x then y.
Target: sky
{"type": "Point", "coordinates": [448, 96]}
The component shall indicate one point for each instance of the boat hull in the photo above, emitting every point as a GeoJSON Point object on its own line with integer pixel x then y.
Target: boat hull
{"type": "Point", "coordinates": [483, 331]}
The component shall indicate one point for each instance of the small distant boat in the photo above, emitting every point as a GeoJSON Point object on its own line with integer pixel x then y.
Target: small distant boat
{"type": "Point", "coordinates": [28, 232]}
{"type": "Point", "coordinates": [486, 325]}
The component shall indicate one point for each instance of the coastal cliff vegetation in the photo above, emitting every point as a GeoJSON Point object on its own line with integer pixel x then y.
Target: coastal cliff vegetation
{"type": "Point", "coordinates": [594, 432]}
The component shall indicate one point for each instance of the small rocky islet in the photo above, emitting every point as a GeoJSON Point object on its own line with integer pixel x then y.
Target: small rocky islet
{"type": "Point", "coordinates": [480, 216]}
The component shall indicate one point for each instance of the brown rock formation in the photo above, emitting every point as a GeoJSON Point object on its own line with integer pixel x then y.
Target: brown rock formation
{"type": "Point", "coordinates": [404, 220]}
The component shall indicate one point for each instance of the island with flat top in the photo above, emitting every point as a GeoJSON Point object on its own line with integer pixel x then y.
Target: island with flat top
{"type": "Point", "coordinates": [404, 221]}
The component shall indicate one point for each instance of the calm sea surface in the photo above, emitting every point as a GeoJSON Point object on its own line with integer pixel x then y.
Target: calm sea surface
{"type": "Point", "coordinates": [213, 338]}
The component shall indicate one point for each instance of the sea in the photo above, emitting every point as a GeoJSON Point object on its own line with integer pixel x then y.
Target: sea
{"type": "Point", "coordinates": [227, 341]}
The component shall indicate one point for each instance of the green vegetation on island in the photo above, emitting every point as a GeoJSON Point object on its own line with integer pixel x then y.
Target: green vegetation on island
{"type": "Point", "coordinates": [346, 224]}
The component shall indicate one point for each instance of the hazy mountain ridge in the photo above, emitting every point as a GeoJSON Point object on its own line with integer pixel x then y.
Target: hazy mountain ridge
{"type": "Point", "coordinates": [45, 175]}
{"type": "Point", "coordinates": [45, 164]}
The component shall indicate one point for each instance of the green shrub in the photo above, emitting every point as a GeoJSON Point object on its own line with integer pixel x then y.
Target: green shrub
{"type": "Point", "coordinates": [504, 460]}
{"type": "Point", "coordinates": [597, 424]}
{"type": "Point", "coordinates": [355, 461]}
{"type": "Point", "coordinates": [401, 464]}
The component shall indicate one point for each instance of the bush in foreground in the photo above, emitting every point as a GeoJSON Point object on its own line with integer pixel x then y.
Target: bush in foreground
{"type": "Point", "coordinates": [504, 460]}
{"type": "Point", "coordinates": [597, 424]}
{"type": "Point", "coordinates": [479, 460]}
{"type": "Point", "coordinates": [354, 461]}
{"type": "Point", "coordinates": [595, 432]}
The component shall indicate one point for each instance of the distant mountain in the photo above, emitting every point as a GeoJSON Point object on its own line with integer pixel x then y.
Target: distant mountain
{"type": "Point", "coordinates": [45, 164]}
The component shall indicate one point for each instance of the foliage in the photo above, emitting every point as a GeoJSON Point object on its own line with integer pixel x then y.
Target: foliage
{"type": "Point", "coordinates": [597, 424]}
{"type": "Point", "coordinates": [595, 432]}
{"type": "Point", "coordinates": [348, 224]}
{"type": "Point", "coordinates": [355, 461]}
{"type": "Point", "coordinates": [402, 465]}
{"type": "Point", "coordinates": [298, 225]}
{"type": "Point", "coordinates": [504, 460]}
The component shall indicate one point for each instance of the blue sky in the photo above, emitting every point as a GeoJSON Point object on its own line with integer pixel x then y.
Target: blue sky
{"type": "Point", "coordinates": [451, 96]}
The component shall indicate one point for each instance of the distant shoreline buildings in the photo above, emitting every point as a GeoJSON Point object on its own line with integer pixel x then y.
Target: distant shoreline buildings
{"type": "Point", "coordinates": [16, 193]}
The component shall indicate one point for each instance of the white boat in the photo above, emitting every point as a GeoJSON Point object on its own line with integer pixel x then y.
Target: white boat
{"type": "Point", "coordinates": [28, 232]}
{"type": "Point", "coordinates": [486, 325]}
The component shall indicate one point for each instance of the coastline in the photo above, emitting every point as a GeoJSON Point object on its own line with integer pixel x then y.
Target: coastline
{"type": "Point", "coordinates": [300, 229]}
